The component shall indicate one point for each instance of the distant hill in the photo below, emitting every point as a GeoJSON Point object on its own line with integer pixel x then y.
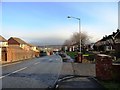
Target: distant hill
{"type": "Point", "coordinates": [50, 46]}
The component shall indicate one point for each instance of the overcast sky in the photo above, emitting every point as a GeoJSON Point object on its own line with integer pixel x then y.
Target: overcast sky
{"type": "Point", "coordinates": [47, 22]}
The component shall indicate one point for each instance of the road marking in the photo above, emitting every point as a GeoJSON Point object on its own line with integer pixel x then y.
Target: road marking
{"type": "Point", "coordinates": [19, 70]}
{"type": "Point", "coordinates": [57, 59]}
{"type": "Point", "coordinates": [36, 63]}
{"type": "Point", "coordinates": [13, 72]}
{"type": "Point", "coordinates": [9, 64]}
{"type": "Point", "coordinates": [50, 60]}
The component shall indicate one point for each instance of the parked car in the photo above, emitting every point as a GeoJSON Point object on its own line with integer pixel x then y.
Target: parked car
{"type": "Point", "coordinates": [42, 53]}
{"type": "Point", "coordinates": [66, 58]}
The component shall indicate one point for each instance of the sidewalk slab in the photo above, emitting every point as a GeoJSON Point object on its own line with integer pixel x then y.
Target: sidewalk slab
{"type": "Point", "coordinates": [67, 69]}
{"type": "Point", "coordinates": [84, 69]}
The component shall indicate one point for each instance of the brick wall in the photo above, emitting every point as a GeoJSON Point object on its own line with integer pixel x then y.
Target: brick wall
{"type": "Point", "coordinates": [15, 53]}
{"type": "Point", "coordinates": [78, 58]}
{"type": "Point", "coordinates": [0, 54]}
{"type": "Point", "coordinates": [103, 67]}
{"type": "Point", "coordinates": [116, 72]}
{"type": "Point", "coordinates": [37, 54]}
{"type": "Point", "coordinates": [117, 47]}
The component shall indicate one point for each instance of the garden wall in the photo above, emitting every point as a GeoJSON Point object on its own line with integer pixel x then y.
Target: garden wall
{"type": "Point", "coordinates": [15, 53]}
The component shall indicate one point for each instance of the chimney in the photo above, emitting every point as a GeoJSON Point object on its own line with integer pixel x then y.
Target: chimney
{"type": "Point", "coordinates": [113, 33]}
{"type": "Point", "coordinates": [118, 30]}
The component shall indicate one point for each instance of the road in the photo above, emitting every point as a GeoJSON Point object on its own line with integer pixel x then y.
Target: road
{"type": "Point", "coordinates": [35, 73]}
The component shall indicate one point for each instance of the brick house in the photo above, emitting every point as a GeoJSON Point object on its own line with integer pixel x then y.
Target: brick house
{"type": "Point", "coordinates": [3, 42]}
{"type": "Point", "coordinates": [3, 45]}
{"type": "Point", "coordinates": [19, 50]}
{"type": "Point", "coordinates": [35, 49]}
{"type": "Point", "coordinates": [18, 42]}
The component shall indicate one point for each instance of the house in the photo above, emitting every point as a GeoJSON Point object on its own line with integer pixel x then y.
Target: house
{"type": "Point", "coordinates": [3, 45]}
{"type": "Point", "coordinates": [19, 42]}
{"type": "Point", "coordinates": [20, 50]}
{"type": "Point", "coordinates": [3, 42]}
{"type": "Point", "coordinates": [117, 37]}
{"type": "Point", "coordinates": [89, 47]}
{"type": "Point", "coordinates": [35, 49]}
{"type": "Point", "coordinates": [109, 43]}
{"type": "Point", "coordinates": [117, 41]}
{"type": "Point", "coordinates": [71, 47]}
{"type": "Point", "coordinates": [16, 49]}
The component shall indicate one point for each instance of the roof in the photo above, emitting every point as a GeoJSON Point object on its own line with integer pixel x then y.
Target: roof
{"type": "Point", "coordinates": [31, 45]}
{"type": "Point", "coordinates": [117, 34]}
{"type": "Point", "coordinates": [19, 40]}
{"type": "Point", "coordinates": [2, 39]}
{"type": "Point", "coordinates": [114, 35]}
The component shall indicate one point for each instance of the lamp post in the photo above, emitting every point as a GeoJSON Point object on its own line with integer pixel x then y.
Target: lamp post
{"type": "Point", "coordinates": [79, 30]}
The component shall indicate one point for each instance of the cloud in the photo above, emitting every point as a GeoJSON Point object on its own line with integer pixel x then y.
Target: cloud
{"type": "Point", "coordinates": [56, 35]}
{"type": "Point", "coordinates": [47, 41]}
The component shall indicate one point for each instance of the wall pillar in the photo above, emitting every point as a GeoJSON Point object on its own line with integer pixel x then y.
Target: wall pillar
{"type": "Point", "coordinates": [103, 67]}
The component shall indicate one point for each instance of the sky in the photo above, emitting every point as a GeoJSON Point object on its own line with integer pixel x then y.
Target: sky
{"type": "Point", "coordinates": [47, 23]}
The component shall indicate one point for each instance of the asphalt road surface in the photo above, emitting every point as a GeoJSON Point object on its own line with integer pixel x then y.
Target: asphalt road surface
{"type": "Point", "coordinates": [35, 73]}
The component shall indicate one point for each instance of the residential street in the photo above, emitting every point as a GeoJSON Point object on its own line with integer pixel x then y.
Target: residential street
{"type": "Point", "coordinates": [59, 45]}
{"type": "Point", "coordinates": [35, 73]}
{"type": "Point", "coordinates": [45, 71]}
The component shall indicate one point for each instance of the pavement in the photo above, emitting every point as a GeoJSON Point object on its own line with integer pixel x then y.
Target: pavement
{"type": "Point", "coordinates": [87, 79]}
{"type": "Point", "coordinates": [81, 83]}
{"type": "Point", "coordinates": [67, 69]}
{"type": "Point", "coordinates": [84, 69]}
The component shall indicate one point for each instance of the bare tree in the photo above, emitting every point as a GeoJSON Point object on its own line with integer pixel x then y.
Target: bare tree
{"type": "Point", "coordinates": [75, 39]}
{"type": "Point", "coordinates": [84, 38]}
{"type": "Point", "coordinates": [67, 42]}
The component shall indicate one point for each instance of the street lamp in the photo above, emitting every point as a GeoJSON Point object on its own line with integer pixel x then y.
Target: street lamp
{"type": "Point", "coordinates": [79, 29]}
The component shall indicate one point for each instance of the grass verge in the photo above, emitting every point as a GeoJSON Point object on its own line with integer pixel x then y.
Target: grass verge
{"type": "Point", "coordinates": [71, 54]}
{"type": "Point", "coordinates": [111, 85]}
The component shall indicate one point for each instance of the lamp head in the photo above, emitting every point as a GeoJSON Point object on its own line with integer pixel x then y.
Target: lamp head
{"type": "Point", "coordinates": [68, 17]}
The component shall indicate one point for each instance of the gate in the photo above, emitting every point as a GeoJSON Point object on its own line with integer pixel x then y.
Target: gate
{"type": "Point", "coordinates": [4, 54]}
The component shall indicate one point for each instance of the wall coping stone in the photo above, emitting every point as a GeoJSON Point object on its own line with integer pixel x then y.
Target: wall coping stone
{"type": "Point", "coordinates": [103, 55]}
